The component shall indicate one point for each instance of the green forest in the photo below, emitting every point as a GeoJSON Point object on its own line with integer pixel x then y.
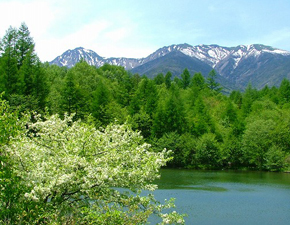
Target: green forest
{"type": "Point", "coordinates": [189, 115]}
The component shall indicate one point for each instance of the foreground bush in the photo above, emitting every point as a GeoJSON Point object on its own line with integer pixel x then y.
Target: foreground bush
{"type": "Point", "coordinates": [74, 173]}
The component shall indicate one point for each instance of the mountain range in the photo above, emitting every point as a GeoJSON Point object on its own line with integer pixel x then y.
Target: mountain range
{"type": "Point", "coordinates": [236, 67]}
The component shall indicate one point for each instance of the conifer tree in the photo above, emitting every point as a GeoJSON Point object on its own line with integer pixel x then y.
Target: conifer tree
{"type": "Point", "coordinates": [170, 114]}
{"type": "Point", "coordinates": [101, 98]}
{"type": "Point", "coordinates": [8, 62]}
{"type": "Point", "coordinates": [40, 90]}
{"type": "Point", "coordinates": [24, 44]}
{"type": "Point", "coordinates": [250, 95]}
{"type": "Point", "coordinates": [159, 79]}
{"type": "Point", "coordinates": [211, 81]}
{"type": "Point", "coordinates": [185, 78]}
{"type": "Point", "coordinates": [72, 98]}
{"type": "Point", "coordinates": [168, 77]}
{"type": "Point", "coordinates": [237, 98]}
{"type": "Point", "coordinates": [197, 81]}
{"type": "Point", "coordinates": [145, 97]}
{"type": "Point", "coordinates": [26, 73]}
{"type": "Point", "coordinates": [284, 91]}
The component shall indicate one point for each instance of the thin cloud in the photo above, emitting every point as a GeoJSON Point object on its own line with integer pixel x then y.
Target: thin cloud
{"type": "Point", "coordinates": [86, 36]}
{"type": "Point", "coordinates": [277, 37]}
{"type": "Point", "coordinates": [118, 34]}
{"type": "Point", "coordinates": [38, 15]}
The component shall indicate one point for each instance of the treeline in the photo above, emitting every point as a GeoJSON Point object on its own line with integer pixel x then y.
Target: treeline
{"type": "Point", "coordinates": [189, 115]}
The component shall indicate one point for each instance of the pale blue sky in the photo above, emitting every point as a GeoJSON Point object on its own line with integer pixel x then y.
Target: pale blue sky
{"type": "Point", "coordinates": [136, 28]}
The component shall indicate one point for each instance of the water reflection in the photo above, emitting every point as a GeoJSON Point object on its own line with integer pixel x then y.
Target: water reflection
{"type": "Point", "coordinates": [228, 197]}
{"type": "Point", "coordinates": [173, 178]}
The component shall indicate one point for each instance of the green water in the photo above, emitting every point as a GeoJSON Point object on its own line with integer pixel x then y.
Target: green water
{"type": "Point", "coordinates": [228, 197]}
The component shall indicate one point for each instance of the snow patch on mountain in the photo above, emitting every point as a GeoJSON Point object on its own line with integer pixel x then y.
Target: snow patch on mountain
{"type": "Point", "coordinates": [210, 54]}
{"type": "Point", "coordinates": [277, 51]}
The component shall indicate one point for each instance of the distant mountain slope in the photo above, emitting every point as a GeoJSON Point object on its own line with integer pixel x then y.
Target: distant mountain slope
{"type": "Point", "coordinates": [237, 66]}
{"type": "Point", "coordinates": [255, 64]}
{"type": "Point", "coordinates": [175, 62]}
{"type": "Point", "coordinates": [71, 57]}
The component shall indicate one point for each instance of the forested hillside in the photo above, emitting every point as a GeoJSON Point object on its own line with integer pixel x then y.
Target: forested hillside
{"type": "Point", "coordinates": [57, 165]}
{"type": "Point", "coordinates": [203, 127]}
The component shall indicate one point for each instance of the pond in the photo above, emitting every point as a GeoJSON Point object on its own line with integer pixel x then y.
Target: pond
{"type": "Point", "coordinates": [228, 197]}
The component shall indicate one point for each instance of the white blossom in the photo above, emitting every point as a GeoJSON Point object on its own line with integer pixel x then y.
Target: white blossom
{"type": "Point", "coordinates": [63, 160]}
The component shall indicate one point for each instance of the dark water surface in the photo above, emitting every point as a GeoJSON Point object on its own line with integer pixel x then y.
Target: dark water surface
{"type": "Point", "coordinates": [228, 197]}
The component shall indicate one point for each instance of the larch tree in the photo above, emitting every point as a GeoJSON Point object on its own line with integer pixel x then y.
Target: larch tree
{"type": "Point", "coordinates": [212, 83]}
{"type": "Point", "coordinates": [24, 44]}
{"type": "Point", "coordinates": [8, 61]}
{"type": "Point", "coordinates": [185, 78]}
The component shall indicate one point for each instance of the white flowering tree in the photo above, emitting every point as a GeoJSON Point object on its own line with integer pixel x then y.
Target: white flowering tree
{"type": "Point", "coordinates": [89, 176]}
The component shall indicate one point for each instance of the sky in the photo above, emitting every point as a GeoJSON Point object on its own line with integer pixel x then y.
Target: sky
{"type": "Point", "coordinates": [137, 28]}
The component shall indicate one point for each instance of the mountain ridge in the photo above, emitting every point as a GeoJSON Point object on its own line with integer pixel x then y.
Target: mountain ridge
{"type": "Point", "coordinates": [238, 65]}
